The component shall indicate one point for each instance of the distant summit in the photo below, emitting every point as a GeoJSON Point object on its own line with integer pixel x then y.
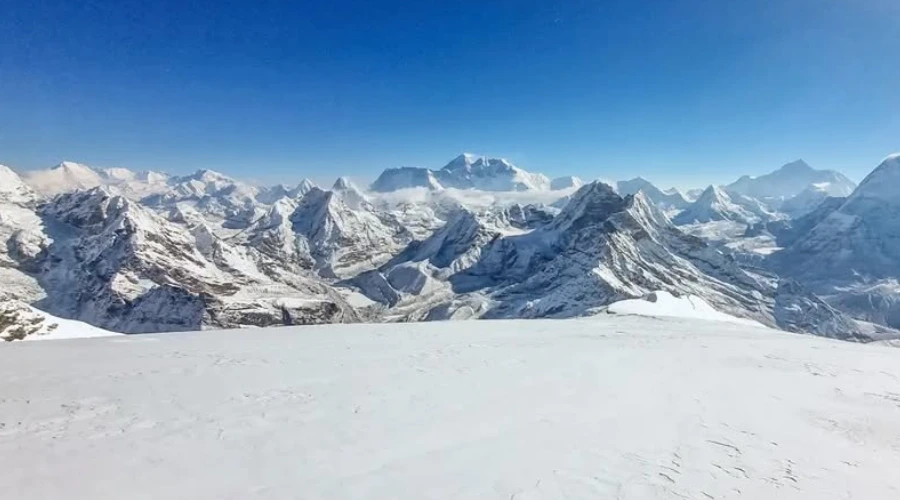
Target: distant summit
{"type": "Point", "coordinates": [466, 171]}
{"type": "Point", "coordinates": [789, 181]}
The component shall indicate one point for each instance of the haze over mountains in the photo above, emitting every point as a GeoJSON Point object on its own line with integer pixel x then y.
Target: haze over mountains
{"type": "Point", "coordinates": [478, 238]}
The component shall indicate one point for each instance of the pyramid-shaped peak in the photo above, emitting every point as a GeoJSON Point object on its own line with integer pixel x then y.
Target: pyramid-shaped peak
{"type": "Point", "coordinates": [343, 183]}
{"type": "Point", "coordinates": [463, 162]}
{"type": "Point", "coordinates": [714, 192]}
{"type": "Point", "coordinates": [882, 182]}
{"type": "Point", "coordinates": [592, 203]}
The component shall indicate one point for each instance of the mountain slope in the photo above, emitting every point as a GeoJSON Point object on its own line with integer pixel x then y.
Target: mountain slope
{"type": "Point", "coordinates": [115, 264]}
{"type": "Point", "coordinates": [857, 240]}
{"type": "Point", "coordinates": [342, 240]}
{"type": "Point", "coordinates": [602, 248]}
{"type": "Point", "coordinates": [851, 254]}
{"type": "Point", "coordinates": [22, 238]}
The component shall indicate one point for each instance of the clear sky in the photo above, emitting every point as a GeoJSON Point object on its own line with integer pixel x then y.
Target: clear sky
{"type": "Point", "coordinates": [683, 92]}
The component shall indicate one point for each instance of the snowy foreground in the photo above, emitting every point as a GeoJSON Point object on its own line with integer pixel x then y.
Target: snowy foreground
{"type": "Point", "coordinates": [610, 407]}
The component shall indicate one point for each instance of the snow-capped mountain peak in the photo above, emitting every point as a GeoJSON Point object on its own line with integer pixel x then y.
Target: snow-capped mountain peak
{"type": "Point", "coordinates": [466, 171]}
{"type": "Point", "coordinates": [489, 174]}
{"type": "Point", "coordinates": [345, 240]}
{"type": "Point", "coordinates": [717, 204]}
{"type": "Point", "coordinates": [882, 183]}
{"type": "Point", "coordinates": [857, 240]}
{"type": "Point", "coordinates": [344, 184]}
{"type": "Point", "coordinates": [463, 162]}
{"type": "Point", "coordinates": [666, 200]}
{"type": "Point", "coordinates": [64, 177]}
{"type": "Point", "coordinates": [591, 204]}
{"type": "Point", "coordinates": [304, 187]}
{"type": "Point", "coordinates": [351, 195]}
{"type": "Point", "coordinates": [788, 181]}
{"type": "Point", "coordinates": [13, 189]}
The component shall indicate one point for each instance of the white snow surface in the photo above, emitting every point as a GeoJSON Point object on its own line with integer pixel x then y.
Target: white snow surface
{"type": "Point", "coordinates": [68, 329]}
{"type": "Point", "coordinates": [664, 304]}
{"type": "Point", "coordinates": [610, 407]}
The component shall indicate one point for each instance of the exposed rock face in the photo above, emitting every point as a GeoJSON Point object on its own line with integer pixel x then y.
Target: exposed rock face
{"type": "Point", "coordinates": [111, 262]}
{"type": "Point", "coordinates": [18, 321]}
{"type": "Point", "coordinates": [343, 241]}
{"type": "Point", "coordinates": [601, 248]}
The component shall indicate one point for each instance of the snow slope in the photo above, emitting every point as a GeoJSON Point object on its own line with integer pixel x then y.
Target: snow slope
{"type": "Point", "coordinates": [612, 407]}
{"type": "Point", "coordinates": [664, 304]}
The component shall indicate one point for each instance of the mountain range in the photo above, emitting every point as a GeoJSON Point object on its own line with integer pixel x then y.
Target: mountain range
{"type": "Point", "coordinates": [144, 252]}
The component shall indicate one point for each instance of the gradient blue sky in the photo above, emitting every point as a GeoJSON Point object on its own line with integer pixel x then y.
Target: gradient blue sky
{"type": "Point", "coordinates": [681, 92]}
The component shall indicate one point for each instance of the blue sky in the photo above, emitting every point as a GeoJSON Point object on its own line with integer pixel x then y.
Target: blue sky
{"type": "Point", "coordinates": [683, 92]}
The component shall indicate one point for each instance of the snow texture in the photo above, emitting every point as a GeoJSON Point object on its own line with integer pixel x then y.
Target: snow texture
{"type": "Point", "coordinates": [609, 407]}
